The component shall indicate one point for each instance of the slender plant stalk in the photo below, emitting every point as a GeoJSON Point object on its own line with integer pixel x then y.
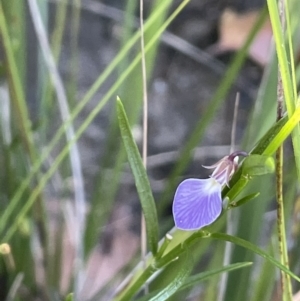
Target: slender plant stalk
{"type": "Point", "coordinates": [75, 21]}
{"type": "Point", "coordinates": [17, 93]}
{"type": "Point", "coordinates": [229, 221]}
{"type": "Point", "coordinates": [22, 115]}
{"type": "Point", "coordinates": [285, 279]}
{"type": "Point", "coordinates": [145, 129]}
{"type": "Point", "coordinates": [79, 194]}
{"type": "Point", "coordinates": [291, 52]}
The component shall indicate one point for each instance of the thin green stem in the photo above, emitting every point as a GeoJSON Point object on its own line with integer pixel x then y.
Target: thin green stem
{"type": "Point", "coordinates": [129, 293]}
{"type": "Point", "coordinates": [164, 246]}
{"type": "Point", "coordinates": [22, 116]}
{"type": "Point", "coordinates": [145, 129]}
{"type": "Point", "coordinates": [159, 263]}
{"type": "Point", "coordinates": [17, 93]}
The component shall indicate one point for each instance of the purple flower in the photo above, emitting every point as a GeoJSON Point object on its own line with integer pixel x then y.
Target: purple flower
{"type": "Point", "coordinates": [198, 202]}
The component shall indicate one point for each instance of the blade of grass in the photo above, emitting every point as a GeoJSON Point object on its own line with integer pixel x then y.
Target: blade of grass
{"type": "Point", "coordinates": [127, 28]}
{"type": "Point", "coordinates": [282, 57]}
{"type": "Point", "coordinates": [253, 248]}
{"type": "Point", "coordinates": [290, 33]}
{"type": "Point", "coordinates": [22, 118]}
{"type": "Point", "coordinates": [79, 193]}
{"type": "Point", "coordinates": [74, 56]}
{"type": "Point", "coordinates": [14, 11]}
{"type": "Point", "coordinates": [287, 82]}
{"type": "Point", "coordinates": [145, 131]}
{"type": "Point", "coordinates": [18, 98]}
{"type": "Point", "coordinates": [45, 89]}
{"type": "Point", "coordinates": [176, 284]}
{"type": "Point", "coordinates": [264, 283]}
{"type": "Point", "coordinates": [141, 179]}
{"type": "Point", "coordinates": [225, 237]}
{"type": "Point", "coordinates": [193, 280]}
{"type": "Point", "coordinates": [264, 109]}
{"type": "Point", "coordinates": [198, 251]}
{"type": "Point", "coordinates": [286, 288]}
{"type": "Point", "coordinates": [284, 132]}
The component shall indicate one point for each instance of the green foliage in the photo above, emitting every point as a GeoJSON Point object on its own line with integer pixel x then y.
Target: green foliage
{"type": "Point", "coordinates": [141, 179]}
{"type": "Point", "coordinates": [32, 158]}
{"type": "Point", "coordinates": [258, 165]}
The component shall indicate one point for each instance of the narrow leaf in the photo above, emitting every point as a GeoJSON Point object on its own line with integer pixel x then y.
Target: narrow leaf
{"type": "Point", "coordinates": [282, 56]}
{"type": "Point", "coordinates": [70, 297]}
{"type": "Point", "coordinates": [195, 279]}
{"type": "Point", "coordinates": [141, 179]}
{"type": "Point", "coordinates": [283, 133]}
{"type": "Point", "coordinates": [243, 200]}
{"type": "Point", "coordinates": [192, 280]}
{"type": "Point", "coordinates": [248, 245]}
{"type": "Point", "coordinates": [175, 284]}
{"type": "Point", "coordinates": [286, 70]}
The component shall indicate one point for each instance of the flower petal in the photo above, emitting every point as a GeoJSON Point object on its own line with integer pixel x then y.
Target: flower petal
{"type": "Point", "coordinates": [197, 203]}
{"type": "Point", "coordinates": [216, 164]}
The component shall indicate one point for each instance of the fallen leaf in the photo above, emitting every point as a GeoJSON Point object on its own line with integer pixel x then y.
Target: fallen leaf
{"type": "Point", "coordinates": [234, 29]}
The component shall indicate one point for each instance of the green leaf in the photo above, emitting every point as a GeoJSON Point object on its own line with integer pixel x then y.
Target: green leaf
{"type": "Point", "coordinates": [282, 56]}
{"type": "Point", "coordinates": [248, 245]}
{"type": "Point", "coordinates": [141, 179]}
{"type": "Point", "coordinates": [264, 283]}
{"type": "Point", "coordinates": [192, 280]}
{"type": "Point", "coordinates": [243, 200]}
{"type": "Point", "coordinates": [69, 297]}
{"type": "Point", "coordinates": [16, 89]}
{"type": "Point", "coordinates": [257, 165]}
{"type": "Point", "coordinates": [175, 284]}
{"type": "Point", "coordinates": [287, 75]}
{"type": "Point", "coordinates": [283, 133]}
{"type": "Point", "coordinates": [267, 145]}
